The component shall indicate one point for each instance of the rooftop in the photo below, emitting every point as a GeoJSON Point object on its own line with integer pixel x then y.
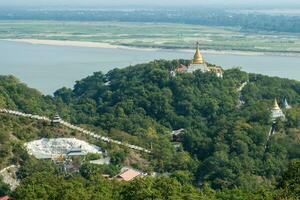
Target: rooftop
{"type": "Point", "coordinates": [129, 174]}
{"type": "Point", "coordinates": [52, 148]}
{"type": "Point", "coordinates": [4, 198]}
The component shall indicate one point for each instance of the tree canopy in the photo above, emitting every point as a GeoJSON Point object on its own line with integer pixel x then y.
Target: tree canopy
{"type": "Point", "coordinates": [224, 149]}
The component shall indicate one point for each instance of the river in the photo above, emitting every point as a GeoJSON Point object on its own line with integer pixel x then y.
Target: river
{"type": "Point", "coordinates": [48, 68]}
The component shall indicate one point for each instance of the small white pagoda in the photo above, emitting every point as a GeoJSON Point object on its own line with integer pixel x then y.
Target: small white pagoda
{"type": "Point", "coordinates": [286, 105]}
{"type": "Point", "coordinates": [56, 119]}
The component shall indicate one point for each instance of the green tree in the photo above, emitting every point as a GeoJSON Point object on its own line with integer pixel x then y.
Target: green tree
{"type": "Point", "coordinates": [4, 188]}
{"type": "Point", "coordinates": [290, 180]}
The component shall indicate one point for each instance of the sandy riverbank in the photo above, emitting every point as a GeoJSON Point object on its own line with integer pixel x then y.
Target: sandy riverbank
{"type": "Point", "coordinates": [76, 44]}
{"type": "Point", "coordinates": [110, 46]}
{"type": "Point", "coordinates": [64, 43]}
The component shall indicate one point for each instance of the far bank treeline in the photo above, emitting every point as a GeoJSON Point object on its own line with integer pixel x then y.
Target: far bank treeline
{"type": "Point", "coordinates": [206, 16]}
{"type": "Point", "coordinates": [224, 145]}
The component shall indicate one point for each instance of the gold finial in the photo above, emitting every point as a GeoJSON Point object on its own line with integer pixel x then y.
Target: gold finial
{"type": "Point", "coordinates": [276, 106]}
{"type": "Point", "coordinates": [198, 58]}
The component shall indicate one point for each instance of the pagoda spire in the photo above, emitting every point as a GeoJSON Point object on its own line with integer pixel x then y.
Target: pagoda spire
{"type": "Point", "coordinates": [198, 58]}
{"type": "Point", "coordinates": [276, 106]}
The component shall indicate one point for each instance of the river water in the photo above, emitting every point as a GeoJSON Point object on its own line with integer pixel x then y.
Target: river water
{"type": "Point", "coordinates": [48, 68]}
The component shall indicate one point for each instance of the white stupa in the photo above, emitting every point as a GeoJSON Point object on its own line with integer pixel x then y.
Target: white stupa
{"type": "Point", "coordinates": [286, 105]}
{"type": "Point", "coordinates": [277, 112]}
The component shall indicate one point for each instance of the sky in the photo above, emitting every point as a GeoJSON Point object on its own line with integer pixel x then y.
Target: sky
{"type": "Point", "coordinates": [141, 2]}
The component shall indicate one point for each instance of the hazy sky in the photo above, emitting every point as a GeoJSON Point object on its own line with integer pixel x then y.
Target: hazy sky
{"type": "Point", "coordinates": [138, 2]}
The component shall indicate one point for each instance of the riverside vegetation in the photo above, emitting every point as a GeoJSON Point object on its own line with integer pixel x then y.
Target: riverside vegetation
{"type": "Point", "coordinates": [154, 35]}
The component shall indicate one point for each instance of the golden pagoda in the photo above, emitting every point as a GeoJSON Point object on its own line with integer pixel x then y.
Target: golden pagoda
{"type": "Point", "coordinates": [198, 58]}
{"type": "Point", "coordinates": [276, 106]}
{"type": "Point", "coordinates": [198, 63]}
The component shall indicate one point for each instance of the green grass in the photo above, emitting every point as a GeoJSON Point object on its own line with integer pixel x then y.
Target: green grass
{"type": "Point", "coordinates": [152, 35]}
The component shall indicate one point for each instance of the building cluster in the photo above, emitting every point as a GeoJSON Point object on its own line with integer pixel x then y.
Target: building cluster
{"type": "Point", "coordinates": [198, 63]}
{"type": "Point", "coordinates": [68, 153]}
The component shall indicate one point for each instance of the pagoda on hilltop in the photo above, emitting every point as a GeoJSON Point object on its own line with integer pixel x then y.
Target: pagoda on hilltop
{"type": "Point", "coordinates": [276, 112]}
{"type": "Point", "coordinates": [198, 63]}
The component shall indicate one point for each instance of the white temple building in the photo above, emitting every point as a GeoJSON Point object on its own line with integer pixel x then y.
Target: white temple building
{"type": "Point", "coordinates": [55, 147]}
{"type": "Point", "coordinates": [198, 63]}
{"type": "Point", "coordinates": [277, 112]}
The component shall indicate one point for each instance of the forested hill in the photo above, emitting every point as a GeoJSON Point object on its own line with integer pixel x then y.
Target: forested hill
{"type": "Point", "coordinates": [17, 96]}
{"type": "Point", "coordinates": [225, 144]}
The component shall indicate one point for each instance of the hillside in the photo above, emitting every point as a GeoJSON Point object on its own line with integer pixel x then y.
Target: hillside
{"type": "Point", "coordinates": [16, 95]}
{"type": "Point", "coordinates": [224, 145]}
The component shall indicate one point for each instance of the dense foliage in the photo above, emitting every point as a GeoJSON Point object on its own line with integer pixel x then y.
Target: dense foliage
{"type": "Point", "coordinates": [52, 185]}
{"type": "Point", "coordinates": [224, 144]}
{"type": "Point", "coordinates": [225, 149]}
{"type": "Point", "coordinates": [16, 95]}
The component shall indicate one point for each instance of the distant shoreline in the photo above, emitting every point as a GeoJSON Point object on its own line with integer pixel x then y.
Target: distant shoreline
{"type": "Point", "coordinates": [76, 44]}
{"type": "Point", "coordinates": [110, 46]}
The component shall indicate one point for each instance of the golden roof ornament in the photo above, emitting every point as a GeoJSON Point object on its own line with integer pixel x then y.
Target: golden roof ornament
{"type": "Point", "coordinates": [198, 58]}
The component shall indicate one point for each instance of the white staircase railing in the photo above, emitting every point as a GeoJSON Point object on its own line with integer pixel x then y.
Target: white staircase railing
{"type": "Point", "coordinates": [77, 128]}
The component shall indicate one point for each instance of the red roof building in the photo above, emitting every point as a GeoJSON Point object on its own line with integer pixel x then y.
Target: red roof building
{"type": "Point", "coordinates": [129, 174]}
{"type": "Point", "coordinates": [5, 198]}
{"type": "Point", "coordinates": [181, 68]}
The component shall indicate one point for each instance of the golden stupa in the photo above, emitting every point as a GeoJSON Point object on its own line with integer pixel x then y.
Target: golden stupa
{"type": "Point", "coordinates": [198, 58]}
{"type": "Point", "coordinates": [276, 106]}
